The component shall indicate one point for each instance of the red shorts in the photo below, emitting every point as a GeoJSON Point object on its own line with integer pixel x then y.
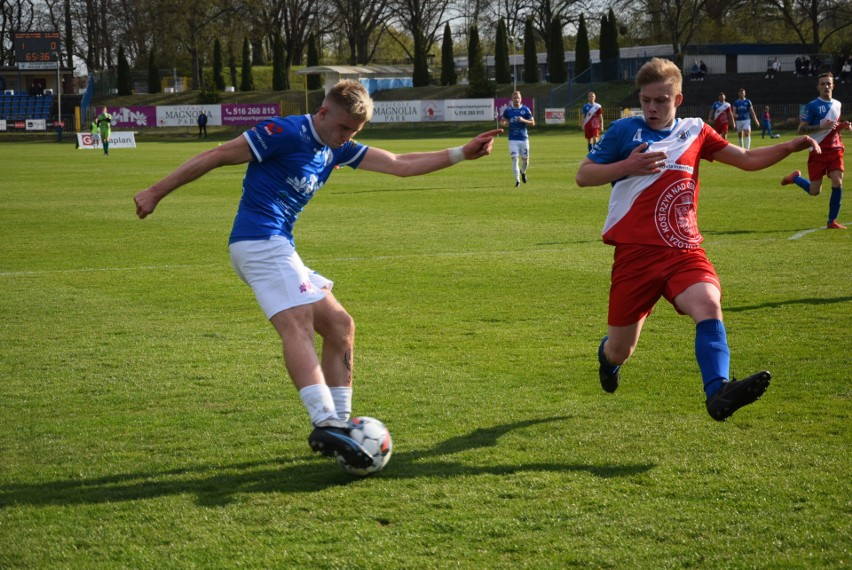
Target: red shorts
{"type": "Point", "coordinates": [641, 274]}
{"type": "Point", "coordinates": [721, 126]}
{"type": "Point", "coordinates": [592, 132]}
{"type": "Point", "coordinates": [820, 165]}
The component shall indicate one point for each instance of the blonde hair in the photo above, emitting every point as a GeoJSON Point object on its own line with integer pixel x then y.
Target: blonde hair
{"type": "Point", "coordinates": [353, 98]}
{"type": "Point", "coordinates": [657, 70]}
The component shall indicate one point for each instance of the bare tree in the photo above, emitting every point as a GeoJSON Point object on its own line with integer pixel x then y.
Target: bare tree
{"type": "Point", "coordinates": [814, 21]}
{"type": "Point", "coordinates": [679, 20]}
{"type": "Point", "coordinates": [423, 20]}
{"type": "Point", "coordinates": [363, 23]}
{"type": "Point", "coordinates": [15, 16]}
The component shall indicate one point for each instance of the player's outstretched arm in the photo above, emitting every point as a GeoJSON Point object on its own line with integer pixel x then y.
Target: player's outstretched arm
{"type": "Point", "coordinates": [763, 157]}
{"type": "Point", "coordinates": [415, 163]}
{"type": "Point", "coordinates": [235, 151]}
{"type": "Point", "coordinates": [637, 163]}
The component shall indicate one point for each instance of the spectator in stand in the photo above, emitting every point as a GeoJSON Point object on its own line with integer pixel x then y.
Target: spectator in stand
{"type": "Point", "coordinates": [846, 70]}
{"type": "Point", "coordinates": [806, 66]}
{"type": "Point", "coordinates": [816, 63]}
{"type": "Point", "coordinates": [702, 69]}
{"type": "Point", "coordinates": [798, 66]}
{"type": "Point", "coordinates": [695, 72]}
{"type": "Point", "coordinates": [772, 69]}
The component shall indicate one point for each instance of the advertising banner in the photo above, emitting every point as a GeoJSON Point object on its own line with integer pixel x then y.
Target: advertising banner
{"type": "Point", "coordinates": [187, 115]}
{"type": "Point", "coordinates": [116, 140]}
{"type": "Point", "coordinates": [36, 125]}
{"type": "Point", "coordinates": [554, 116]}
{"type": "Point", "coordinates": [131, 117]}
{"type": "Point", "coordinates": [247, 114]}
{"type": "Point", "coordinates": [396, 112]}
{"type": "Point", "coordinates": [469, 110]}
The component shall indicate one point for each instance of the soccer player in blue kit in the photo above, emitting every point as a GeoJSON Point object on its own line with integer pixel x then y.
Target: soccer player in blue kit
{"type": "Point", "coordinates": [518, 117]}
{"type": "Point", "coordinates": [289, 159]}
{"type": "Point", "coordinates": [744, 111]}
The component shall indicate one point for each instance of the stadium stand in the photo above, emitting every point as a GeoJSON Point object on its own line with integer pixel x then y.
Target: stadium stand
{"type": "Point", "coordinates": [21, 107]}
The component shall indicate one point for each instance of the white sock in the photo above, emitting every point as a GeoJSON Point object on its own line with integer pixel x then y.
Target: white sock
{"type": "Point", "coordinates": [319, 403]}
{"type": "Point", "coordinates": [342, 396]}
{"type": "Point", "coordinates": [748, 142]}
{"type": "Point", "coordinates": [515, 170]}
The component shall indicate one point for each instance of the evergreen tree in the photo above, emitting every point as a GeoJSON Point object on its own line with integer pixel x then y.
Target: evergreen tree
{"type": "Point", "coordinates": [479, 85]}
{"type": "Point", "coordinates": [246, 75]}
{"type": "Point", "coordinates": [154, 85]}
{"type": "Point", "coordinates": [278, 83]}
{"type": "Point", "coordinates": [218, 79]}
{"type": "Point", "coordinates": [609, 47]}
{"type": "Point", "coordinates": [583, 61]}
{"type": "Point", "coordinates": [421, 77]}
{"type": "Point", "coordinates": [530, 55]}
{"type": "Point", "coordinates": [556, 53]}
{"type": "Point", "coordinates": [123, 80]}
{"type": "Point", "coordinates": [448, 61]}
{"type": "Point", "coordinates": [232, 64]}
{"type": "Point", "coordinates": [502, 72]}
{"type": "Point", "coordinates": [314, 81]}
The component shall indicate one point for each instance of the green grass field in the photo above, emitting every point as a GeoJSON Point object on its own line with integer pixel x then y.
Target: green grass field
{"type": "Point", "coordinates": [147, 421]}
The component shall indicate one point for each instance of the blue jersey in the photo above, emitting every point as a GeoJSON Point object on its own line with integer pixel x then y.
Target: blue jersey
{"type": "Point", "coordinates": [290, 164]}
{"type": "Point", "coordinates": [742, 109]}
{"type": "Point", "coordinates": [517, 129]}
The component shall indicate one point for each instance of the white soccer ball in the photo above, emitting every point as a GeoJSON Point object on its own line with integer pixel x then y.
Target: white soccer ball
{"type": "Point", "coordinates": [776, 136]}
{"type": "Point", "coordinates": [375, 438]}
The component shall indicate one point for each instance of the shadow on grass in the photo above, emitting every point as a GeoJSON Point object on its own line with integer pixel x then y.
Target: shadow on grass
{"type": "Point", "coordinates": [777, 304]}
{"type": "Point", "coordinates": [215, 485]}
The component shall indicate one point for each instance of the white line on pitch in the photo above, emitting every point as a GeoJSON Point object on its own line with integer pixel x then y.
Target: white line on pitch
{"type": "Point", "coordinates": [96, 269]}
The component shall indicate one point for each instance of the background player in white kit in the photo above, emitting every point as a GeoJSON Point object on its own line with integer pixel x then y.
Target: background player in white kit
{"type": "Point", "coordinates": [653, 224]}
{"type": "Point", "coordinates": [517, 117]}
{"type": "Point", "coordinates": [289, 159]}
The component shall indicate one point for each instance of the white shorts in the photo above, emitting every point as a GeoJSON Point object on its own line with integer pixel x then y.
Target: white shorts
{"type": "Point", "coordinates": [276, 274]}
{"type": "Point", "coordinates": [519, 148]}
{"type": "Point", "coordinates": [743, 126]}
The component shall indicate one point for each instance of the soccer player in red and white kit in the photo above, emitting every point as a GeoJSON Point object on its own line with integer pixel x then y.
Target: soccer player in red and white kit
{"type": "Point", "coordinates": [652, 164]}
{"type": "Point", "coordinates": [821, 117]}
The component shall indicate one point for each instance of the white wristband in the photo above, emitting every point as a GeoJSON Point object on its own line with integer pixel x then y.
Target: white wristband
{"type": "Point", "coordinates": [456, 154]}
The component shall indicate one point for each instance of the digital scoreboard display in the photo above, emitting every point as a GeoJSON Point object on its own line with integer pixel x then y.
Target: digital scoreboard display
{"type": "Point", "coordinates": [37, 50]}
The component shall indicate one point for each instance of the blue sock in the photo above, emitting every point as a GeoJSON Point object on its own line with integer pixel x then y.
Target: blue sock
{"type": "Point", "coordinates": [834, 204]}
{"type": "Point", "coordinates": [803, 184]}
{"type": "Point", "coordinates": [608, 367]}
{"type": "Point", "coordinates": [713, 355]}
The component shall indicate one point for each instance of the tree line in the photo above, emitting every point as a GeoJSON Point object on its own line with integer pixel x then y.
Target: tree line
{"type": "Point", "coordinates": [191, 34]}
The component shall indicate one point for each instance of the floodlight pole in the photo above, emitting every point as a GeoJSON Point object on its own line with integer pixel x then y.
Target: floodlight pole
{"type": "Point", "coordinates": [514, 66]}
{"type": "Point", "coordinates": [58, 97]}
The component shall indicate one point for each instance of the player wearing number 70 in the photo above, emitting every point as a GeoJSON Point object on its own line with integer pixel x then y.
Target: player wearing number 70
{"type": "Point", "coordinates": [289, 159]}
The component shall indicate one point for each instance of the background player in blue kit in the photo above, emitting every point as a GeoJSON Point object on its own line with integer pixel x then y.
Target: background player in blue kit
{"type": "Point", "coordinates": [289, 160]}
{"type": "Point", "coordinates": [744, 112]}
{"type": "Point", "coordinates": [821, 119]}
{"type": "Point", "coordinates": [518, 117]}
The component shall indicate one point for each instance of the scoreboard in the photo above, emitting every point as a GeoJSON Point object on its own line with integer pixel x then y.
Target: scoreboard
{"type": "Point", "coordinates": [37, 50]}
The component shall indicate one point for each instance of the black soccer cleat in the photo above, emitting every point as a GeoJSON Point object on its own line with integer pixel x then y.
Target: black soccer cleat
{"type": "Point", "coordinates": [609, 379]}
{"type": "Point", "coordinates": [524, 177]}
{"type": "Point", "coordinates": [737, 393]}
{"type": "Point", "coordinates": [335, 441]}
